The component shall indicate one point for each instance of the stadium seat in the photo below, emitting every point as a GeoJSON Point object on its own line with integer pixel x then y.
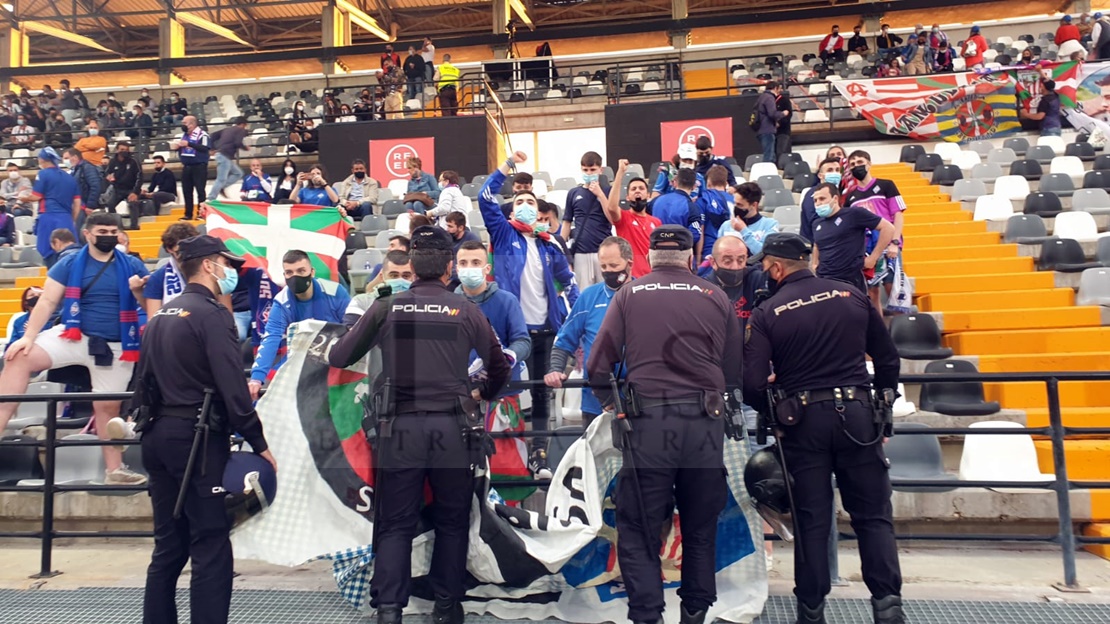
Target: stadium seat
{"type": "Point", "coordinates": [915, 457]}
{"type": "Point", "coordinates": [1001, 457]}
{"type": "Point", "coordinates": [1020, 145]}
{"type": "Point", "coordinates": [1002, 157]}
{"type": "Point", "coordinates": [1096, 179]}
{"type": "Point", "coordinates": [372, 224]}
{"type": "Point", "coordinates": [77, 465]}
{"type": "Point", "coordinates": [564, 184]}
{"type": "Point", "coordinates": [954, 398]}
{"type": "Point", "coordinates": [993, 208]}
{"type": "Point", "coordinates": [360, 265]}
{"type": "Point", "coordinates": [393, 207]}
{"type": "Point", "coordinates": [761, 169]}
{"type": "Point", "coordinates": [1041, 153]}
{"type": "Point", "coordinates": [1067, 165]}
{"type": "Point", "coordinates": [1028, 169]}
{"type": "Point", "coordinates": [381, 241]}
{"type": "Point", "coordinates": [751, 161]}
{"type": "Point", "coordinates": [982, 148]}
{"type": "Point", "coordinates": [927, 163]}
{"type": "Point", "coordinates": [1011, 187]}
{"type": "Point", "coordinates": [1094, 287]}
{"type": "Point", "coordinates": [1102, 162]}
{"type": "Point", "coordinates": [788, 215]}
{"type": "Point", "coordinates": [480, 180]}
{"type": "Point", "coordinates": [776, 197]}
{"type": "Point", "coordinates": [946, 175]}
{"type": "Point", "coordinates": [769, 182]}
{"type": "Point", "coordinates": [1102, 251]}
{"type": "Point", "coordinates": [1058, 183]}
{"type": "Point", "coordinates": [1054, 142]}
{"type": "Point", "coordinates": [794, 169]}
{"type": "Point", "coordinates": [18, 462]}
{"type": "Point", "coordinates": [918, 337]}
{"type": "Point", "coordinates": [1082, 151]}
{"type": "Point", "coordinates": [910, 153]}
{"type": "Point", "coordinates": [1092, 200]}
{"type": "Point", "coordinates": [965, 190]}
{"type": "Point", "coordinates": [987, 171]}
{"type": "Point", "coordinates": [1064, 255]}
{"type": "Point", "coordinates": [804, 181]}
{"type": "Point", "coordinates": [398, 187]}
{"type": "Point", "coordinates": [790, 157]}
{"type": "Point", "coordinates": [1044, 205]}
{"type": "Point", "coordinates": [966, 160]}
{"type": "Point", "coordinates": [1076, 224]}
{"type": "Point", "coordinates": [947, 151]}
{"type": "Point", "coordinates": [559, 198]}
{"type": "Point", "coordinates": [356, 240]}
{"type": "Point", "coordinates": [1026, 229]}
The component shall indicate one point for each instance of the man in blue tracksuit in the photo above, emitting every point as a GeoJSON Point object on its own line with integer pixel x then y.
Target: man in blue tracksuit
{"type": "Point", "coordinates": [707, 160]}
{"type": "Point", "coordinates": [615, 256]}
{"type": "Point", "coordinates": [303, 298]}
{"type": "Point", "coordinates": [716, 207]}
{"type": "Point", "coordinates": [678, 208]}
{"type": "Point", "coordinates": [527, 263]}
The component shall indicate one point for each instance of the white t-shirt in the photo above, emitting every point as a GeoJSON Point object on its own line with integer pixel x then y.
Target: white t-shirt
{"type": "Point", "coordinates": [533, 297]}
{"type": "Point", "coordinates": [430, 55]}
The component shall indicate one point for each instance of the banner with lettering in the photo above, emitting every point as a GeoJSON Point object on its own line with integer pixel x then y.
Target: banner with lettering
{"type": "Point", "coordinates": [556, 563]}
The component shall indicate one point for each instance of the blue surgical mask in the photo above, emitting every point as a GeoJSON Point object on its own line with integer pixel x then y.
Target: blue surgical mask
{"type": "Point", "coordinates": [229, 281]}
{"type": "Point", "coordinates": [539, 228]}
{"type": "Point", "coordinates": [526, 214]}
{"type": "Point", "coordinates": [824, 210]}
{"type": "Point", "coordinates": [589, 178]}
{"type": "Point", "coordinates": [472, 277]}
{"type": "Point", "coordinates": [833, 178]}
{"type": "Point", "coordinates": [398, 285]}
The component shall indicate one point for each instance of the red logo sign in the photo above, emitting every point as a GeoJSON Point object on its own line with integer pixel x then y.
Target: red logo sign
{"type": "Point", "coordinates": [675, 133]}
{"type": "Point", "coordinates": [389, 157]}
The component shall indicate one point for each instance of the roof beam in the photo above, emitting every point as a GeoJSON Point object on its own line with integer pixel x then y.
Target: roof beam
{"type": "Point", "coordinates": [368, 23]}
{"type": "Point", "coordinates": [60, 33]}
{"type": "Point", "coordinates": [215, 29]}
{"type": "Point", "coordinates": [521, 11]}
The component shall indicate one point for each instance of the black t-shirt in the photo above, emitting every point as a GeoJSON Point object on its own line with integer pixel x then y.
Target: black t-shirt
{"type": "Point", "coordinates": [840, 241]}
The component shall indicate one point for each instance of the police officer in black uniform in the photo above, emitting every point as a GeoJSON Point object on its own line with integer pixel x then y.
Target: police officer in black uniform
{"type": "Point", "coordinates": [815, 333]}
{"type": "Point", "coordinates": [679, 337]}
{"type": "Point", "coordinates": [425, 335]}
{"type": "Point", "coordinates": [189, 347]}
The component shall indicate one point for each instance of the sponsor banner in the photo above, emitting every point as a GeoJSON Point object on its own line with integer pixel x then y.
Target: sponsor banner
{"type": "Point", "coordinates": [675, 133]}
{"type": "Point", "coordinates": [559, 562]}
{"type": "Point", "coordinates": [389, 157]}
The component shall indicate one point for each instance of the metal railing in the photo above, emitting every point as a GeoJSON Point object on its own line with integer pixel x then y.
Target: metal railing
{"type": "Point", "coordinates": [1065, 535]}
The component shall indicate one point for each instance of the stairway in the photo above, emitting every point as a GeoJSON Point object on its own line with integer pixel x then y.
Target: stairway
{"type": "Point", "coordinates": [993, 304]}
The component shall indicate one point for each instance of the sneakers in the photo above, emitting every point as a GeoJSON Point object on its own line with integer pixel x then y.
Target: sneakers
{"type": "Point", "coordinates": [537, 463]}
{"type": "Point", "coordinates": [389, 614]}
{"type": "Point", "coordinates": [120, 429]}
{"type": "Point", "coordinates": [888, 610]}
{"type": "Point", "coordinates": [770, 559]}
{"type": "Point", "coordinates": [807, 615]}
{"type": "Point", "coordinates": [123, 476]}
{"type": "Point", "coordinates": [685, 616]}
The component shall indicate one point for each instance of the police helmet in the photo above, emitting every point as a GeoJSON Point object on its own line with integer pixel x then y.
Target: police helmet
{"type": "Point", "coordinates": [251, 485]}
{"type": "Point", "coordinates": [766, 482]}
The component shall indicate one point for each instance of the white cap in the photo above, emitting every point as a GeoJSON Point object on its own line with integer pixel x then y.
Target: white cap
{"type": "Point", "coordinates": [687, 151]}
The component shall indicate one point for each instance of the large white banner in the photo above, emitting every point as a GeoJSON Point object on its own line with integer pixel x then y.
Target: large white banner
{"type": "Point", "coordinates": [524, 565]}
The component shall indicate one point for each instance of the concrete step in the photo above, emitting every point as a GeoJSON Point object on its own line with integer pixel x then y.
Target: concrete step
{"type": "Point", "coordinates": [1022, 318]}
{"type": "Point", "coordinates": [1086, 458]}
{"type": "Point", "coordinates": [968, 302]}
{"type": "Point", "coordinates": [954, 229]}
{"type": "Point", "coordinates": [961, 267]}
{"type": "Point", "coordinates": [915, 253]}
{"type": "Point", "coordinates": [943, 240]}
{"type": "Point", "coordinates": [1029, 395]}
{"type": "Point", "coordinates": [1072, 417]}
{"type": "Point", "coordinates": [990, 282]}
{"type": "Point", "coordinates": [1036, 362]}
{"type": "Point", "coordinates": [1078, 340]}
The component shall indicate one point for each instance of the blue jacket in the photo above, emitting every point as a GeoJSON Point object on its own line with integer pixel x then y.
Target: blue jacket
{"type": "Point", "coordinates": [665, 183]}
{"type": "Point", "coordinates": [506, 317]}
{"type": "Point", "coordinates": [426, 184]}
{"type": "Point", "coordinates": [703, 169]}
{"type": "Point", "coordinates": [911, 49]}
{"type": "Point", "coordinates": [716, 209]}
{"type": "Point", "coordinates": [581, 329]}
{"type": "Point", "coordinates": [510, 252]}
{"type": "Point", "coordinates": [329, 302]}
{"type": "Point", "coordinates": [677, 209]}
{"type": "Point", "coordinates": [88, 184]}
{"type": "Point", "coordinates": [754, 234]}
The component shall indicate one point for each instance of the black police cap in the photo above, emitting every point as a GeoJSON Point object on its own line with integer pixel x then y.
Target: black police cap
{"type": "Point", "coordinates": [784, 245]}
{"type": "Point", "coordinates": [431, 238]}
{"type": "Point", "coordinates": [671, 237]}
{"type": "Point", "coordinates": [203, 246]}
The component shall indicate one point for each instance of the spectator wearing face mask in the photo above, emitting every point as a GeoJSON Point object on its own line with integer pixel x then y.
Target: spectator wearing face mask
{"type": "Point", "coordinates": [585, 215]}
{"type": "Point", "coordinates": [59, 133]}
{"type": "Point", "coordinates": [918, 57]}
{"type": "Point", "coordinates": [858, 43]}
{"type": "Point", "coordinates": [141, 125]}
{"type": "Point", "coordinates": [88, 181]}
{"type": "Point", "coordinates": [686, 158]}
{"type": "Point", "coordinates": [945, 58]}
{"type": "Point", "coordinates": [175, 111]}
{"type": "Point", "coordinates": [450, 200]}
{"type": "Point", "coordinates": [882, 198]}
{"type": "Point", "coordinates": [832, 46]}
{"type": "Point", "coordinates": [634, 224]}
{"type": "Point", "coordinates": [887, 42]}
{"type": "Point", "coordinates": [145, 99]}
{"type": "Point", "coordinates": [22, 135]}
{"type": "Point", "coordinates": [125, 177]}
{"type": "Point", "coordinates": [163, 186]}
{"type": "Point", "coordinates": [937, 37]}
{"type": "Point", "coordinates": [310, 140]}
{"type": "Point", "coordinates": [14, 185]}
{"type": "Point", "coordinates": [94, 147]}
{"type": "Point", "coordinates": [747, 222]}
{"type": "Point", "coordinates": [707, 159]}
{"type": "Point", "coordinates": [345, 115]}
{"type": "Point", "coordinates": [257, 185]}
{"type": "Point", "coordinates": [286, 181]}
{"type": "Point", "coordinates": [17, 327]}
{"type": "Point", "coordinates": [358, 193]}
{"type": "Point", "coordinates": [829, 171]}
{"type": "Point", "coordinates": [312, 188]}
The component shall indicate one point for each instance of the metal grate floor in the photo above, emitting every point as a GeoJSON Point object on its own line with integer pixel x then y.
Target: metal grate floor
{"type": "Point", "coordinates": [124, 605]}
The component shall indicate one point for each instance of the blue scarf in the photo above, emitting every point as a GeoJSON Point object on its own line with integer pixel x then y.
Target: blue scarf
{"type": "Point", "coordinates": [172, 286]}
{"type": "Point", "coordinates": [128, 313]}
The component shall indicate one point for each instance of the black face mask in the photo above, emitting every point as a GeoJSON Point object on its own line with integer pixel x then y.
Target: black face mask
{"type": "Point", "coordinates": [360, 174]}
{"type": "Point", "coordinates": [616, 279]}
{"type": "Point", "coordinates": [639, 205]}
{"type": "Point", "coordinates": [704, 158]}
{"type": "Point", "coordinates": [106, 243]}
{"type": "Point", "coordinates": [859, 172]}
{"type": "Point", "coordinates": [752, 219]}
{"type": "Point", "coordinates": [300, 283]}
{"type": "Point", "coordinates": [31, 301]}
{"type": "Point", "coordinates": [730, 277]}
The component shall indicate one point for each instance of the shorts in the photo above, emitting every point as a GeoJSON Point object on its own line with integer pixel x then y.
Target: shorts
{"type": "Point", "coordinates": [63, 352]}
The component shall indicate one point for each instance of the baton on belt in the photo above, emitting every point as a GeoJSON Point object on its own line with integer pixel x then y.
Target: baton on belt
{"type": "Point", "coordinates": [200, 436]}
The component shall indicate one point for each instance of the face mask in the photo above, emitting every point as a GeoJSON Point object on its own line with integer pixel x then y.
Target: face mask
{"type": "Point", "coordinates": [639, 205]}
{"type": "Point", "coordinates": [685, 165]}
{"type": "Point", "coordinates": [589, 178]}
{"type": "Point", "coordinates": [185, 128]}
{"type": "Point", "coordinates": [22, 122]}
{"type": "Point", "coordinates": [936, 30]}
{"type": "Point", "coordinates": [31, 301]}
{"type": "Point", "coordinates": [472, 277]}
{"type": "Point", "coordinates": [833, 178]}
{"type": "Point", "coordinates": [615, 279]}
{"type": "Point", "coordinates": [229, 281]}
{"type": "Point", "coordinates": [526, 214]}
{"type": "Point", "coordinates": [288, 171]}
{"type": "Point", "coordinates": [112, 99]}
{"type": "Point", "coordinates": [13, 175]}
{"type": "Point", "coordinates": [145, 94]}
{"type": "Point", "coordinates": [360, 175]}
{"type": "Point", "coordinates": [300, 283]}
{"type": "Point", "coordinates": [704, 158]}
{"type": "Point", "coordinates": [106, 243]}
{"type": "Point", "coordinates": [398, 285]}
{"type": "Point", "coordinates": [859, 172]}
{"type": "Point", "coordinates": [824, 210]}
{"type": "Point", "coordinates": [93, 132]}
{"type": "Point", "coordinates": [173, 99]}
{"type": "Point", "coordinates": [540, 228]}
{"type": "Point", "coordinates": [730, 277]}
{"type": "Point", "coordinates": [300, 108]}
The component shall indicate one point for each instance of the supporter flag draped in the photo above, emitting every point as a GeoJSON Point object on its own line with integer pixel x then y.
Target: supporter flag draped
{"type": "Point", "coordinates": [556, 560]}
{"type": "Point", "coordinates": [953, 107]}
{"type": "Point", "coordinates": [262, 233]}
{"type": "Point", "coordinates": [1065, 75]}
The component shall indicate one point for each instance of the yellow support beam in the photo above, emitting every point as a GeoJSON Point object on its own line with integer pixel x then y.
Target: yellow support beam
{"type": "Point", "coordinates": [59, 33]}
{"type": "Point", "coordinates": [193, 19]}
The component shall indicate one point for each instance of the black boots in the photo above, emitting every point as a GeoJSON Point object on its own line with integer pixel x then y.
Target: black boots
{"type": "Point", "coordinates": [389, 614]}
{"type": "Point", "coordinates": [888, 610]}
{"type": "Point", "coordinates": [690, 617]}
{"type": "Point", "coordinates": [807, 615]}
{"type": "Point", "coordinates": [447, 611]}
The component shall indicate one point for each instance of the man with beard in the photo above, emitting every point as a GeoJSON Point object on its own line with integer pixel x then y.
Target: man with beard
{"type": "Point", "coordinates": [751, 226]}
{"type": "Point", "coordinates": [706, 160]}
{"type": "Point", "coordinates": [633, 224]}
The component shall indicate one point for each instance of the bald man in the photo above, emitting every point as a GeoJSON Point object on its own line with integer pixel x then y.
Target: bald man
{"type": "Point", "coordinates": [192, 148]}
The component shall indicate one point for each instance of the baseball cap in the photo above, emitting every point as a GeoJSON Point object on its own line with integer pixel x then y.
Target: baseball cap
{"type": "Point", "coordinates": [203, 246]}
{"type": "Point", "coordinates": [431, 238]}
{"type": "Point", "coordinates": [1067, 19]}
{"type": "Point", "coordinates": [687, 151]}
{"type": "Point", "coordinates": [672, 238]}
{"type": "Point", "coordinates": [784, 245]}
{"type": "Point", "coordinates": [974, 29]}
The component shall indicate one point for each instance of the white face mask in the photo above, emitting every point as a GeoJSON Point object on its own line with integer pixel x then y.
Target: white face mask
{"type": "Point", "coordinates": [288, 171]}
{"type": "Point", "coordinates": [93, 132]}
{"type": "Point", "coordinates": [13, 175]}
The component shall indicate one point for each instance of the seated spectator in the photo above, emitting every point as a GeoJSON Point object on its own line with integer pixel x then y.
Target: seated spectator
{"type": "Point", "coordinates": [112, 120]}
{"type": "Point", "coordinates": [346, 115]}
{"type": "Point", "coordinates": [747, 222]}
{"type": "Point", "coordinates": [21, 136]}
{"type": "Point", "coordinates": [887, 42]}
{"type": "Point", "coordinates": [59, 133]}
{"type": "Point", "coordinates": [141, 126]}
{"type": "Point", "coordinates": [944, 58]}
{"type": "Point", "coordinates": [297, 122]}
{"type": "Point", "coordinates": [358, 193]}
{"type": "Point", "coordinates": [310, 139]}
{"type": "Point", "coordinates": [94, 147]}
{"type": "Point", "coordinates": [257, 185]}
{"type": "Point", "coordinates": [163, 186]}
{"type": "Point", "coordinates": [1067, 31]}
{"type": "Point", "coordinates": [286, 181]}
{"type": "Point", "coordinates": [1027, 57]}
{"type": "Point", "coordinates": [832, 46]}
{"type": "Point", "coordinates": [858, 43]}
{"type": "Point", "coordinates": [423, 191]}
{"type": "Point", "coordinates": [18, 325]}
{"type": "Point", "coordinates": [400, 242]}
{"type": "Point", "coordinates": [11, 188]}
{"type": "Point", "coordinates": [418, 220]}
{"type": "Point", "coordinates": [918, 57]}
{"type": "Point", "coordinates": [175, 111]}
{"type": "Point", "coordinates": [364, 107]}
{"type": "Point", "coordinates": [145, 99]}
{"type": "Point", "coordinates": [312, 188]}
{"type": "Point", "coordinates": [456, 227]}
{"type": "Point", "coordinates": [331, 108]}
{"type": "Point", "coordinates": [451, 198]}
{"type": "Point", "coordinates": [62, 242]}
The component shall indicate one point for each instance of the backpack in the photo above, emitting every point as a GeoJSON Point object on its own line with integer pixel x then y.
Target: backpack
{"type": "Point", "coordinates": [754, 120]}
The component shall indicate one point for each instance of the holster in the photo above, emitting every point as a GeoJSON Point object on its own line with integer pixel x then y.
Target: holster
{"type": "Point", "coordinates": [472, 427]}
{"type": "Point", "coordinates": [882, 404]}
{"type": "Point", "coordinates": [379, 412]}
{"type": "Point", "coordinates": [147, 399]}
{"type": "Point", "coordinates": [733, 416]}
{"type": "Point", "coordinates": [787, 408]}
{"type": "Point", "coordinates": [621, 426]}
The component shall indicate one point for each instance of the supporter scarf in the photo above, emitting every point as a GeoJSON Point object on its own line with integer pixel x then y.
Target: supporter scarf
{"type": "Point", "coordinates": [128, 313]}
{"type": "Point", "coordinates": [172, 286]}
{"type": "Point", "coordinates": [528, 229]}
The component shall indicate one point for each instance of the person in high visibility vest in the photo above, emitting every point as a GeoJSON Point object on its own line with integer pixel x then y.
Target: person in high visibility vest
{"type": "Point", "coordinates": [447, 81]}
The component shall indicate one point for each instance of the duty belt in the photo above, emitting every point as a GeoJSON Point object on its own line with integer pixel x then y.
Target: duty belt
{"type": "Point", "coordinates": [187, 412]}
{"type": "Point", "coordinates": [649, 403]}
{"type": "Point", "coordinates": [847, 393]}
{"type": "Point", "coordinates": [409, 407]}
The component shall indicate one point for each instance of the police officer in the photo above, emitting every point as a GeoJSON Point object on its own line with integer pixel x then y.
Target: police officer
{"type": "Point", "coordinates": [680, 339]}
{"type": "Point", "coordinates": [815, 332]}
{"type": "Point", "coordinates": [425, 335]}
{"type": "Point", "coordinates": [189, 346]}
